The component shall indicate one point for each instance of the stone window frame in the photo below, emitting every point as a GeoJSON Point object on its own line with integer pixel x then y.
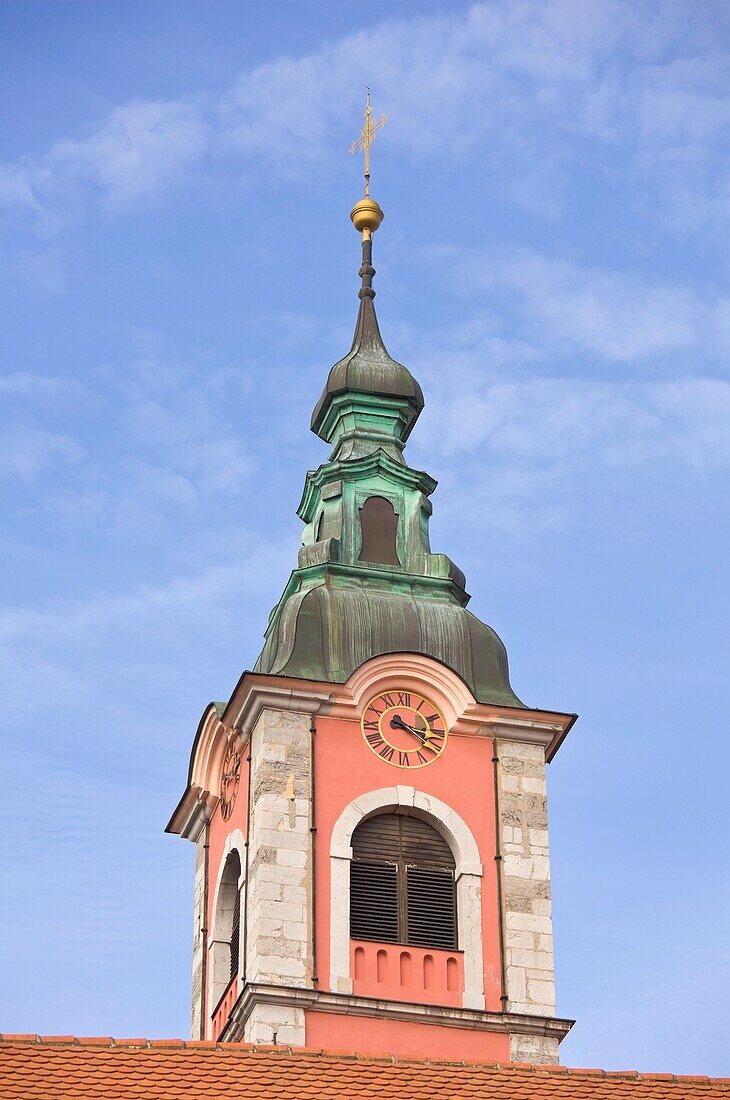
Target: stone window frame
{"type": "Point", "coordinates": [468, 874]}
{"type": "Point", "coordinates": [219, 939]}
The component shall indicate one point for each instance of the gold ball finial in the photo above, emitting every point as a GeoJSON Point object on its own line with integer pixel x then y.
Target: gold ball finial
{"type": "Point", "coordinates": [366, 215]}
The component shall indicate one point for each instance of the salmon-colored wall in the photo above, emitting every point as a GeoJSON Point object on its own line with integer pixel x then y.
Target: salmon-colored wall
{"type": "Point", "coordinates": [330, 1031]}
{"type": "Point", "coordinates": [462, 777]}
{"type": "Point", "coordinates": [219, 830]}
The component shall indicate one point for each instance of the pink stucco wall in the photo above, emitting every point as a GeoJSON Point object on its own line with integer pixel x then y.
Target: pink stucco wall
{"type": "Point", "coordinates": [370, 1035]}
{"type": "Point", "coordinates": [462, 778]}
{"type": "Point", "coordinates": [219, 830]}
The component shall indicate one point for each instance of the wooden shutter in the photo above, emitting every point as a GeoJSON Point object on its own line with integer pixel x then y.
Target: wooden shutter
{"type": "Point", "coordinates": [378, 839]}
{"type": "Point", "coordinates": [421, 845]}
{"type": "Point", "coordinates": [430, 908]}
{"type": "Point", "coordinates": [235, 935]}
{"type": "Point", "coordinates": [374, 901]}
{"type": "Point", "coordinates": [402, 887]}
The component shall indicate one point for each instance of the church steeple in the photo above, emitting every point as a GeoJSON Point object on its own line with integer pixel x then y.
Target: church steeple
{"type": "Point", "coordinates": [367, 581]}
{"type": "Point", "coordinates": [369, 807]}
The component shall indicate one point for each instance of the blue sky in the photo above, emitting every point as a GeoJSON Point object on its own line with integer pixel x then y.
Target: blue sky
{"type": "Point", "coordinates": [179, 273]}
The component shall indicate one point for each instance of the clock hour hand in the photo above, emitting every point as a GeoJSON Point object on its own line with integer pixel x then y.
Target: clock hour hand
{"type": "Point", "coordinates": [423, 735]}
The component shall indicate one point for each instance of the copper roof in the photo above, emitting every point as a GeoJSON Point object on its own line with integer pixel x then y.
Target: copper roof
{"type": "Point", "coordinates": [65, 1068]}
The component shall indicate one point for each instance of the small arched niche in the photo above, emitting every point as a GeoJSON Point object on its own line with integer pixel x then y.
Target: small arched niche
{"type": "Point", "coordinates": [379, 529]}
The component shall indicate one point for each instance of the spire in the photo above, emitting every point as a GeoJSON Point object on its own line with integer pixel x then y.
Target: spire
{"type": "Point", "coordinates": [394, 400]}
{"type": "Point", "coordinates": [367, 582]}
{"type": "Point", "coordinates": [367, 216]}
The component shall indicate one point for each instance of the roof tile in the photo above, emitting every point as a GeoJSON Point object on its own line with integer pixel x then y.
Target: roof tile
{"type": "Point", "coordinates": [63, 1068]}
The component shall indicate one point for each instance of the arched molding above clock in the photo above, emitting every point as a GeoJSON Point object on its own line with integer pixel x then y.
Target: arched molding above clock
{"type": "Point", "coordinates": [407, 800]}
{"type": "Point", "coordinates": [415, 672]}
{"type": "Point", "coordinates": [209, 751]}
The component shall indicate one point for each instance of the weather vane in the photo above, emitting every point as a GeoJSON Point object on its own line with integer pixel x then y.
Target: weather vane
{"type": "Point", "coordinates": [366, 214]}
{"type": "Point", "coordinates": [367, 137]}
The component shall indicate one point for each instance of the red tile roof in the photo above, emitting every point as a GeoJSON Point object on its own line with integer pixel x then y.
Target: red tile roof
{"type": "Point", "coordinates": [59, 1067]}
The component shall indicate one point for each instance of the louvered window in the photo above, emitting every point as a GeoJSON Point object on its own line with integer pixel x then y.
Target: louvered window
{"type": "Point", "coordinates": [235, 934]}
{"type": "Point", "coordinates": [402, 887]}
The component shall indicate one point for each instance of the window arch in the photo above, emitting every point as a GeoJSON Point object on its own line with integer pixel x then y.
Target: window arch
{"type": "Point", "coordinates": [226, 938]}
{"type": "Point", "coordinates": [402, 883]}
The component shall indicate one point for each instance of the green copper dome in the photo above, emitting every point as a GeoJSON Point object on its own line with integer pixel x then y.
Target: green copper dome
{"type": "Point", "coordinates": [367, 388]}
{"type": "Point", "coordinates": [368, 368]}
{"type": "Point", "coordinates": [326, 632]}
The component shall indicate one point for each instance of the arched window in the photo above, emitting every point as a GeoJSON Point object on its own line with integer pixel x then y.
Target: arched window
{"type": "Point", "coordinates": [379, 526]}
{"type": "Point", "coordinates": [402, 887]}
{"type": "Point", "coordinates": [226, 937]}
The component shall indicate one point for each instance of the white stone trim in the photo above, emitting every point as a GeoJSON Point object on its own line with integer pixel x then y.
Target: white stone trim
{"type": "Point", "coordinates": [235, 841]}
{"type": "Point", "coordinates": [408, 800]}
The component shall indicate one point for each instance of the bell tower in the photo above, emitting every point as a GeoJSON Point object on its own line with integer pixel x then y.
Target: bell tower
{"type": "Point", "coordinates": [369, 806]}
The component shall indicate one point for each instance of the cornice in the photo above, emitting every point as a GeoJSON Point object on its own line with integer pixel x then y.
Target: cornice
{"type": "Point", "coordinates": [355, 470]}
{"type": "Point", "coordinates": [257, 691]}
{"type": "Point", "coordinates": [313, 1000]}
{"type": "Point", "coordinates": [191, 815]}
{"type": "Point", "coordinates": [258, 697]}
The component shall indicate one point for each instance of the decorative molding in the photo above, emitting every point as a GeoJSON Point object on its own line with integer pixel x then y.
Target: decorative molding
{"type": "Point", "coordinates": [259, 698]}
{"type": "Point", "coordinates": [256, 691]}
{"type": "Point", "coordinates": [192, 814]}
{"type": "Point", "coordinates": [464, 715]}
{"type": "Point", "coordinates": [512, 1023]}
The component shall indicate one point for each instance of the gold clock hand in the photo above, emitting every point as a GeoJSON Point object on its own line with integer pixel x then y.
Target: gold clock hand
{"type": "Point", "coordinates": [424, 736]}
{"type": "Point", "coordinates": [398, 723]}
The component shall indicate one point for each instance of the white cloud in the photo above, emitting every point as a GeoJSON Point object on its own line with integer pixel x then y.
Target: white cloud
{"type": "Point", "coordinates": [147, 604]}
{"type": "Point", "coordinates": [529, 454]}
{"type": "Point", "coordinates": [25, 384]}
{"type": "Point", "coordinates": [142, 149]}
{"type": "Point", "coordinates": [162, 438]}
{"type": "Point", "coordinates": [558, 422]}
{"type": "Point", "coordinates": [611, 313]}
{"type": "Point", "coordinates": [26, 451]}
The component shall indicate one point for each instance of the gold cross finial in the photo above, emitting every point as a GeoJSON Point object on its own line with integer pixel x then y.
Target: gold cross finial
{"type": "Point", "coordinates": [367, 137]}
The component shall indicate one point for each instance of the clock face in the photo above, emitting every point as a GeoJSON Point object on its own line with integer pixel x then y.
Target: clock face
{"type": "Point", "coordinates": [230, 778]}
{"type": "Point", "coordinates": [404, 728]}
